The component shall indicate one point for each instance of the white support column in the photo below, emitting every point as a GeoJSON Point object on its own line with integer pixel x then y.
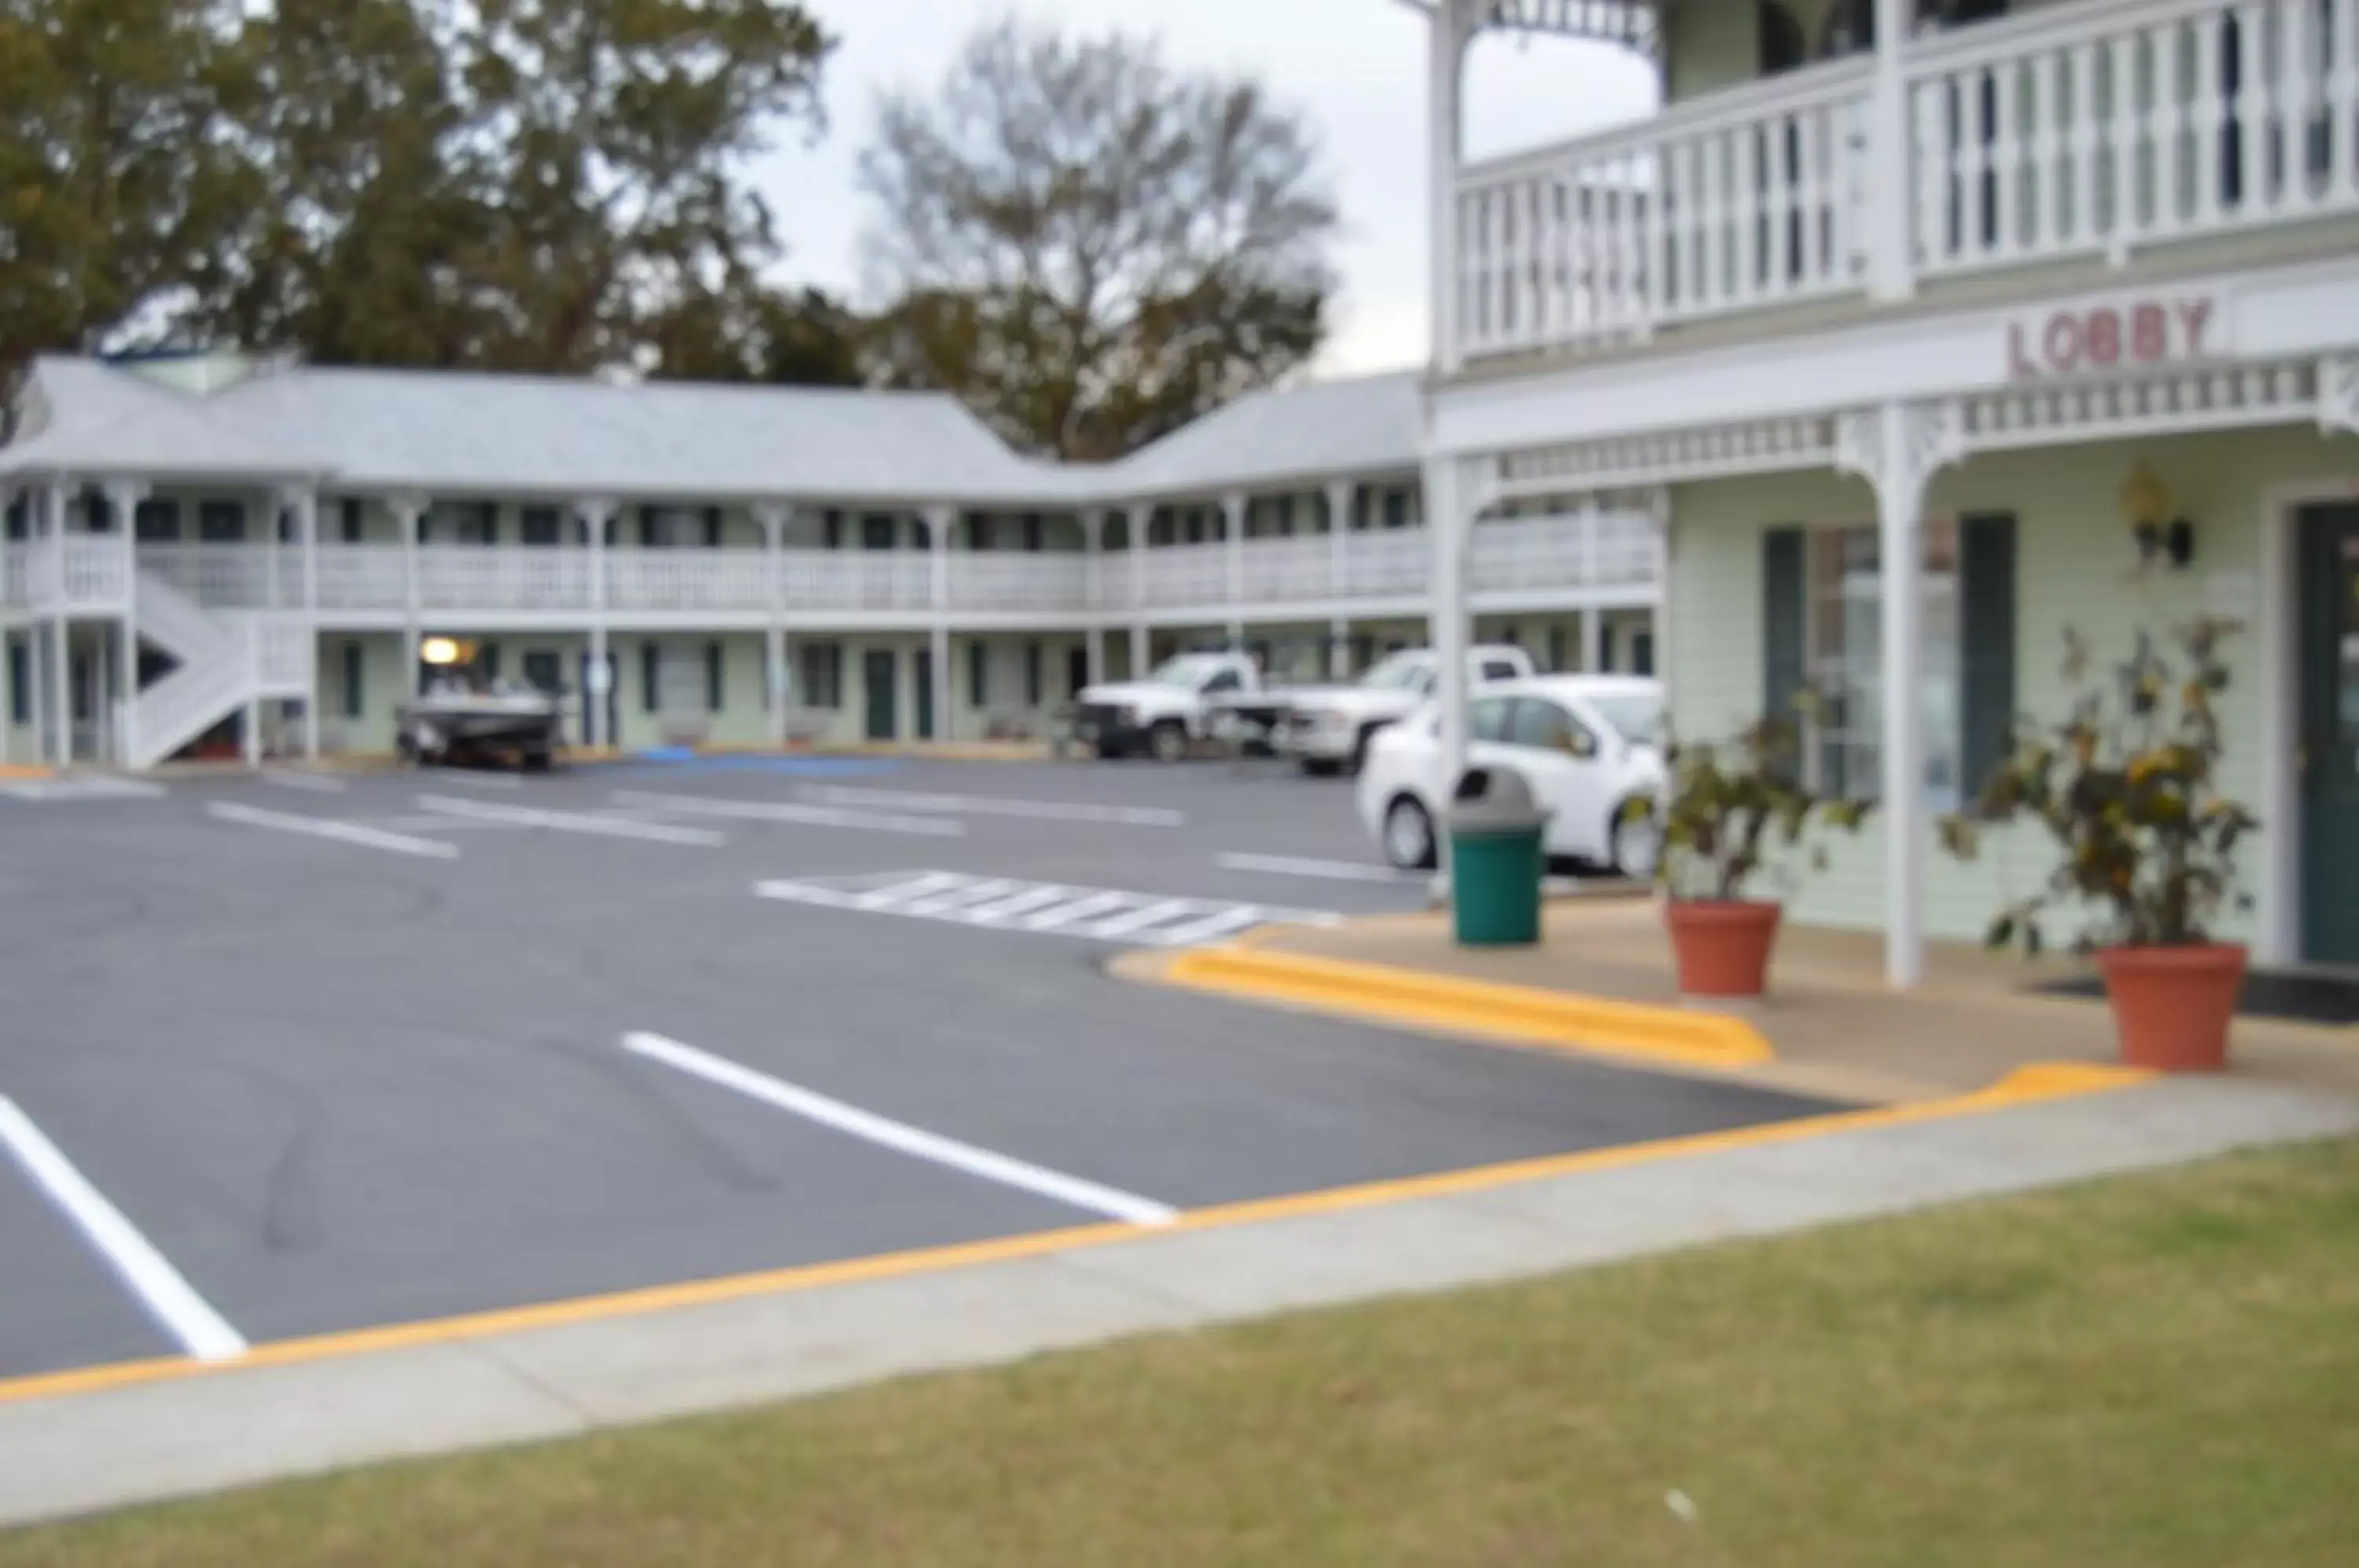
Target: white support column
{"type": "Point", "coordinates": [597, 691]}
{"type": "Point", "coordinates": [773, 516]}
{"type": "Point", "coordinates": [1093, 524]}
{"type": "Point", "coordinates": [1234, 508]}
{"type": "Point", "coordinates": [1897, 448]}
{"type": "Point", "coordinates": [939, 522]}
{"type": "Point", "coordinates": [61, 693]}
{"type": "Point", "coordinates": [123, 498]}
{"type": "Point", "coordinates": [1886, 215]}
{"type": "Point", "coordinates": [1141, 520]}
{"type": "Point", "coordinates": [1338, 649]}
{"type": "Point", "coordinates": [1446, 59]}
{"type": "Point", "coordinates": [1659, 509]}
{"type": "Point", "coordinates": [408, 510]}
{"type": "Point", "coordinates": [1593, 640]}
{"type": "Point", "coordinates": [1445, 510]}
{"type": "Point", "coordinates": [304, 501]}
{"type": "Point", "coordinates": [1340, 495]}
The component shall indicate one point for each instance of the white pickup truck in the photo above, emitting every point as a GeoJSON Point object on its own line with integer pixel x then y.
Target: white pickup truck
{"type": "Point", "coordinates": [1167, 712]}
{"type": "Point", "coordinates": [1326, 728]}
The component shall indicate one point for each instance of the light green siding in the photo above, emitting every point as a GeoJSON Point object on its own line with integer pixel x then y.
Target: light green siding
{"type": "Point", "coordinates": [2074, 570]}
{"type": "Point", "coordinates": [381, 690]}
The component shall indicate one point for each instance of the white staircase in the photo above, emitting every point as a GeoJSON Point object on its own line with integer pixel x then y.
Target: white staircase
{"type": "Point", "coordinates": [227, 659]}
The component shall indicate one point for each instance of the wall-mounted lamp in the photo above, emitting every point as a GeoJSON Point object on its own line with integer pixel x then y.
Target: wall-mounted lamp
{"type": "Point", "coordinates": [2145, 502]}
{"type": "Point", "coordinates": [441, 651]}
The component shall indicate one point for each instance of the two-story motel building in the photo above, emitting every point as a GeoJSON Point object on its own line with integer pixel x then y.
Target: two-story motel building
{"type": "Point", "coordinates": [1918, 310]}
{"type": "Point", "coordinates": [209, 551]}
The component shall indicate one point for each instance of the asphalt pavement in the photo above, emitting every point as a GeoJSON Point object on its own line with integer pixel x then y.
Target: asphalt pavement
{"type": "Point", "coordinates": [294, 1055]}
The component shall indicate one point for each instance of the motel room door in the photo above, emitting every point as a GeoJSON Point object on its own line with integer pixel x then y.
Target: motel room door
{"type": "Point", "coordinates": [2328, 752]}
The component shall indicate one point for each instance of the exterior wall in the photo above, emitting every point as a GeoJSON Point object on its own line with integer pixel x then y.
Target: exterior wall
{"type": "Point", "coordinates": [382, 689]}
{"type": "Point", "coordinates": [1005, 704]}
{"type": "Point", "coordinates": [2073, 570]}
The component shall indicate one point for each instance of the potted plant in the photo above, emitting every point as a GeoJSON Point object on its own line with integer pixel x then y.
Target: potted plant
{"type": "Point", "coordinates": [1736, 814]}
{"type": "Point", "coordinates": [2146, 843]}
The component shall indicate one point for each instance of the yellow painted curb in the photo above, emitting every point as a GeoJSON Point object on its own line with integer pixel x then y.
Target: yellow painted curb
{"type": "Point", "coordinates": [27, 770]}
{"type": "Point", "coordinates": [2024, 1086]}
{"type": "Point", "coordinates": [1523, 1014]}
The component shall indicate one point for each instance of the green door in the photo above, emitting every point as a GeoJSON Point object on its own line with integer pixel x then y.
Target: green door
{"type": "Point", "coordinates": [2329, 753]}
{"type": "Point", "coordinates": [880, 677]}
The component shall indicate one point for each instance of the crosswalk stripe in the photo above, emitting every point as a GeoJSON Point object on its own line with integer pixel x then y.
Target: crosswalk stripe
{"type": "Point", "coordinates": [1045, 908]}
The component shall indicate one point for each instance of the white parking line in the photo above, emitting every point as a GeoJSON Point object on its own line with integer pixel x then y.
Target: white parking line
{"type": "Point", "coordinates": [479, 780]}
{"type": "Point", "coordinates": [91, 788]}
{"type": "Point", "coordinates": [1097, 914]}
{"type": "Point", "coordinates": [329, 828]}
{"type": "Point", "coordinates": [572, 821]}
{"type": "Point", "coordinates": [779, 811]}
{"type": "Point", "coordinates": [900, 1136]}
{"type": "Point", "coordinates": [1333, 870]}
{"type": "Point", "coordinates": [318, 783]}
{"type": "Point", "coordinates": [996, 806]}
{"type": "Point", "coordinates": [167, 1297]}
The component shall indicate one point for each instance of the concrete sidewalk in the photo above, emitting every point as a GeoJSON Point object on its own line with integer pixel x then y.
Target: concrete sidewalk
{"type": "Point", "coordinates": [1829, 1027]}
{"type": "Point", "coordinates": [163, 1430]}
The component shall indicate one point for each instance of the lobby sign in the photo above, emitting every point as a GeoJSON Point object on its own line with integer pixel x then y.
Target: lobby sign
{"type": "Point", "coordinates": [2147, 332]}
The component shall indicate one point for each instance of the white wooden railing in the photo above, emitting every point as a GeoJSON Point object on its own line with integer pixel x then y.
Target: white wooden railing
{"type": "Point", "coordinates": [2096, 127]}
{"type": "Point", "coordinates": [1577, 550]}
{"type": "Point", "coordinates": [1745, 198]}
{"type": "Point", "coordinates": [2122, 123]}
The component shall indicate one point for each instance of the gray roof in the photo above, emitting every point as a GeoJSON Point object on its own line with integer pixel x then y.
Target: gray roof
{"type": "Point", "coordinates": [468, 433]}
{"type": "Point", "coordinates": [1323, 429]}
{"type": "Point", "coordinates": [104, 420]}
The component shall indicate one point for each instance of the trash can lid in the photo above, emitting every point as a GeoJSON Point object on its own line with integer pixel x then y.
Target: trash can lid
{"type": "Point", "coordinates": [1495, 800]}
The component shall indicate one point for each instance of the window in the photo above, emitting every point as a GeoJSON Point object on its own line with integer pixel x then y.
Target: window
{"type": "Point", "coordinates": [1032, 532]}
{"type": "Point", "coordinates": [1499, 670]}
{"type": "Point", "coordinates": [978, 532]}
{"type": "Point", "coordinates": [544, 671]}
{"type": "Point", "coordinates": [650, 677]}
{"type": "Point", "coordinates": [1544, 726]}
{"type": "Point", "coordinates": [221, 522]}
{"type": "Point", "coordinates": [473, 522]}
{"type": "Point", "coordinates": [823, 674]}
{"type": "Point", "coordinates": [876, 531]}
{"type": "Point", "coordinates": [1396, 509]}
{"type": "Point", "coordinates": [1032, 673]}
{"type": "Point", "coordinates": [20, 517]}
{"type": "Point", "coordinates": [1642, 653]}
{"type": "Point", "coordinates": [832, 528]}
{"type": "Point", "coordinates": [715, 679]}
{"type": "Point", "coordinates": [1556, 648]}
{"type": "Point", "coordinates": [1226, 681]}
{"type": "Point", "coordinates": [978, 676]}
{"type": "Point", "coordinates": [1486, 718]}
{"type": "Point", "coordinates": [1843, 614]}
{"type": "Point", "coordinates": [349, 511]}
{"type": "Point", "coordinates": [539, 525]}
{"type": "Point", "coordinates": [713, 528]}
{"type": "Point", "coordinates": [20, 683]}
{"type": "Point", "coordinates": [487, 662]}
{"type": "Point", "coordinates": [157, 521]}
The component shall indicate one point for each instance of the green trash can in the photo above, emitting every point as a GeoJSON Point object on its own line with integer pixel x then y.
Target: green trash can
{"type": "Point", "coordinates": [1498, 858]}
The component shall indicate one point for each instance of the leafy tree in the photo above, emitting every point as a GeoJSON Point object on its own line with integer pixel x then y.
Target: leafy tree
{"type": "Point", "coordinates": [115, 175]}
{"type": "Point", "coordinates": [1088, 246]}
{"type": "Point", "coordinates": [612, 134]}
{"type": "Point", "coordinates": [749, 331]}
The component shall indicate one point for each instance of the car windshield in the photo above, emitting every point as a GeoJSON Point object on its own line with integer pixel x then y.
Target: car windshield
{"type": "Point", "coordinates": [1635, 716]}
{"type": "Point", "coordinates": [1190, 669]}
{"type": "Point", "coordinates": [1402, 672]}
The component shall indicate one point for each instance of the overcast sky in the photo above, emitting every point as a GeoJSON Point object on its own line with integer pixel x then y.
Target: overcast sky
{"type": "Point", "coordinates": [1354, 68]}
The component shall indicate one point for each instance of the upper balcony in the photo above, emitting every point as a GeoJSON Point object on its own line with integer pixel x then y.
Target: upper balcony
{"type": "Point", "coordinates": [1572, 558]}
{"type": "Point", "coordinates": [2089, 131]}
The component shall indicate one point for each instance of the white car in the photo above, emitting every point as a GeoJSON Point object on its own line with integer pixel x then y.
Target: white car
{"type": "Point", "coordinates": [1587, 744]}
{"type": "Point", "coordinates": [1328, 729]}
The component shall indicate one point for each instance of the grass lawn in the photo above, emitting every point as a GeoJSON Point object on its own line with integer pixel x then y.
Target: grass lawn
{"type": "Point", "coordinates": [2149, 1372]}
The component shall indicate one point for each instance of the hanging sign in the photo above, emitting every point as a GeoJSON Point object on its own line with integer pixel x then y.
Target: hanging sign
{"type": "Point", "coordinates": [2136, 333]}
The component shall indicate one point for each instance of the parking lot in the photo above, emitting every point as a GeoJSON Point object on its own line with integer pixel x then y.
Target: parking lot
{"type": "Point", "coordinates": [291, 1054]}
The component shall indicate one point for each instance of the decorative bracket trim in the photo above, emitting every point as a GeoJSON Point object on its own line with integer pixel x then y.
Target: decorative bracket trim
{"type": "Point", "coordinates": [1929, 438]}
{"type": "Point", "coordinates": [2338, 393]}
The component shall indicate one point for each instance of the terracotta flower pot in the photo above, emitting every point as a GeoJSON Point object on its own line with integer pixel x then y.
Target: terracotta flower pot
{"type": "Point", "coordinates": [1722, 947]}
{"type": "Point", "coordinates": [2173, 1006]}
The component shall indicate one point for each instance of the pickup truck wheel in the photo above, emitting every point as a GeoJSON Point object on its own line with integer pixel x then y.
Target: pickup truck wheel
{"type": "Point", "coordinates": [1408, 835]}
{"type": "Point", "coordinates": [1321, 767]}
{"type": "Point", "coordinates": [1169, 741]}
